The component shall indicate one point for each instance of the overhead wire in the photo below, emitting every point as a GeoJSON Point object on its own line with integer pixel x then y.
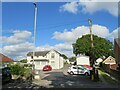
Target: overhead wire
{"type": "Point", "coordinates": [52, 26]}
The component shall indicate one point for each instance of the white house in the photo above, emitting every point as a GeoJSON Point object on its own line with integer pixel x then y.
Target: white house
{"type": "Point", "coordinates": [82, 60]}
{"type": "Point", "coordinates": [98, 61]}
{"type": "Point", "coordinates": [42, 58]}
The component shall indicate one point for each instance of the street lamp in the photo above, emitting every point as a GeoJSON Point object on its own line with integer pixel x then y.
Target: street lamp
{"type": "Point", "coordinates": [35, 17]}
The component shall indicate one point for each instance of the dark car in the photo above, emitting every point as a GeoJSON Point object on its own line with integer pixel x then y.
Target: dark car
{"type": "Point", "coordinates": [47, 68]}
{"type": "Point", "coordinates": [6, 75]}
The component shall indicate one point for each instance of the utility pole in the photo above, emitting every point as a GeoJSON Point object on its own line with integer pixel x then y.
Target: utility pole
{"type": "Point", "coordinates": [91, 35]}
{"type": "Point", "coordinates": [35, 17]}
{"type": "Point", "coordinates": [91, 39]}
{"type": "Point", "coordinates": [91, 50]}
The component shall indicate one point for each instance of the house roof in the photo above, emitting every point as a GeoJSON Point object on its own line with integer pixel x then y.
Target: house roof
{"type": "Point", "coordinates": [4, 58]}
{"type": "Point", "coordinates": [40, 53]}
{"type": "Point", "coordinates": [109, 60]}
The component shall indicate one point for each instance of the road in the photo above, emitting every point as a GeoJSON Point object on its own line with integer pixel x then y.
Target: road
{"type": "Point", "coordinates": [59, 79]}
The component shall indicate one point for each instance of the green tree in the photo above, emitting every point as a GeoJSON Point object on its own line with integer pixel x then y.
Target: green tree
{"type": "Point", "coordinates": [64, 56]}
{"type": "Point", "coordinates": [72, 59]}
{"type": "Point", "coordinates": [102, 47]}
{"type": "Point", "coordinates": [23, 61]}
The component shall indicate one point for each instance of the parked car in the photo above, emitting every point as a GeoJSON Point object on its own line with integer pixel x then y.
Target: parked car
{"type": "Point", "coordinates": [88, 67]}
{"type": "Point", "coordinates": [6, 75]}
{"type": "Point", "coordinates": [47, 68]}
{"type": "Point", "coordinates": [75, 69]}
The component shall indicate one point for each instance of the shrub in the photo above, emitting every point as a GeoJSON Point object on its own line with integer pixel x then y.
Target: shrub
{"type": "Point", "coordinates": [20, 71]}
{"type": "Point", "coordinates": [17, 69]}
{"type": "Point", "coordinates": [23, 61]}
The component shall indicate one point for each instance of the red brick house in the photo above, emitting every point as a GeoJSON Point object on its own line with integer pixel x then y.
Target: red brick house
{"type": "Point", "coordinates": [117, 50]}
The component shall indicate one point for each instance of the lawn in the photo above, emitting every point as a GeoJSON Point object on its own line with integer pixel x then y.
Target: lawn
{"type": "Point", "coordinates": [107, 77]}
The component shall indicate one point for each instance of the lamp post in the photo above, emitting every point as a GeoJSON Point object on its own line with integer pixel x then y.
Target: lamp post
{"type": "Point", "coordinates": [35, 17]}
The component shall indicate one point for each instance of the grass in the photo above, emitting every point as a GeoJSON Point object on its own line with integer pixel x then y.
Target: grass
{"type": "Point", "coordinates": [107, 78]}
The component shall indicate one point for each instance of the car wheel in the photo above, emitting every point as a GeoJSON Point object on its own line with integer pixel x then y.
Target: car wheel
{"type": "Point", "coordinates": [71, 73]}
{"type": "Point", "coordinates": [86, 74]}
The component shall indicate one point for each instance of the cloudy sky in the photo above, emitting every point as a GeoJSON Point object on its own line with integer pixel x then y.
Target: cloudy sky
{"type": "Point", "coordinates": [59, 24]}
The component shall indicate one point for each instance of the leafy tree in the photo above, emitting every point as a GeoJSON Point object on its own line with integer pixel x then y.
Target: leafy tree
{"type": "Point", "coordinates": [72, 58]}
{"type": "Point", "coordinates": [23, 61]}
{"type": "Point", "coordinates": [64, 56]}
{"type": "Point", "coordinates": [102, 47]}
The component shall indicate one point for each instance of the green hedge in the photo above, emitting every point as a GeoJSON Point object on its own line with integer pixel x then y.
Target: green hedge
{"type": "Point", "coordinates": [20, 70]}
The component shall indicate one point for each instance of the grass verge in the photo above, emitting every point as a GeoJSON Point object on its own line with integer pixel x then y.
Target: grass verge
{"type": "Point", "coordinates": [107, 78]}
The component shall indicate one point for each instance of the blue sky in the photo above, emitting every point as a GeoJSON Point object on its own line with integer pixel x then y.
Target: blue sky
{"type": "Point", "coordinates": [54, 23]}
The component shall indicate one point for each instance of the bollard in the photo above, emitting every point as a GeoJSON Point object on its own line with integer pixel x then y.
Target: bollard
{"type": "Point", "coordinates": [37, 75]}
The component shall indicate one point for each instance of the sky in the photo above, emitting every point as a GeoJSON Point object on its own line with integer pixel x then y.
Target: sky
{"type": "Point", "coordinates": [59, 24]}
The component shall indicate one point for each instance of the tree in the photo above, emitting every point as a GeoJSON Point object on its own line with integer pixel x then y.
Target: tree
{"type": "Point", "coordinates": [72, 59]}
{"type": "Point", "coordinates": [23, 61]}
{"type": "Point", "coordinates": [102, 47]}
{"type": "Point", "coordinates": [64, 56]}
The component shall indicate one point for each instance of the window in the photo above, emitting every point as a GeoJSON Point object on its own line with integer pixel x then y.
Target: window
{"type": "Point", "coordinates": [52, 55]}
{"type": "Point", "coordinates": [74, 68]}
{"type": "Point", "coordinates": [43, 63]}
{"type": "Point", "coordinates": [37, 63]}
{"type": "Point", "coordinates": [32, 57]}
{"type": "Point", "coordinates": [53, 63]}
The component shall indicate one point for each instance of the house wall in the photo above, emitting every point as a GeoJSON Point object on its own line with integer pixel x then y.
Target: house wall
{"type": "Point", "coordinates": [54, 62]}
{"type": "Point", "coordinates": [117, 53]}
{"type": "Point", "coordinates": [83, 60]}
{"type": "Point", "coordinates": [57, 62]}
{"type": "Point", "coordinates": [40, 64]}
{"type": "Point", "coordinates": [61, 62]}
{"type": "Point", "coordinates": [29, 59]}
{"type": "Point", "coordinates": [36, 58]}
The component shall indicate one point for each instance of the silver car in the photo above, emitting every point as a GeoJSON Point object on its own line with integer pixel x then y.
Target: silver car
{"type": "Point", "coordinates": [74, 69]}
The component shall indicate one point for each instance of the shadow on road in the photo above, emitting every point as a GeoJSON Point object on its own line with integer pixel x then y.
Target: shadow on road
{"type": "Point", "coordinates": [20, 84]}
{"type": "Point", "coordinates": [59, 80]}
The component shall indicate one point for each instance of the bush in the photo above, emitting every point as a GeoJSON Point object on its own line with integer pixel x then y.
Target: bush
{"type": "Point", "coordinates": [27, 72]}
{"type": "Point", "coordinates": [17, 69]}
{"type": "Point", "coordinates": [20, 71]}
{"type": "Point", "coordinates": [23, 61]}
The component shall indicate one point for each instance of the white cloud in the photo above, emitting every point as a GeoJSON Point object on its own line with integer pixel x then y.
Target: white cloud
{"type": "Point", "coordinates": [17, 45]}
{"type": "Point", "coordinates": [115, 33]}
{"type": "Point", "coordinates": [17, 37]}
{"type": "Point", "coordinates": [63, 48]}
{"type": "Point", "coordinates": [18, 51]}
{"type": "Point", "coordinates": [71, 36]}
{"type": "Point", "coordinates": [91, 7]}
{"type": "Point", "coordinates": [70, 7]}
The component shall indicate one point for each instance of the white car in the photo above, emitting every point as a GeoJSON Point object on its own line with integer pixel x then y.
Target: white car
{"type": "Point", "coordinates": [78, 70]}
